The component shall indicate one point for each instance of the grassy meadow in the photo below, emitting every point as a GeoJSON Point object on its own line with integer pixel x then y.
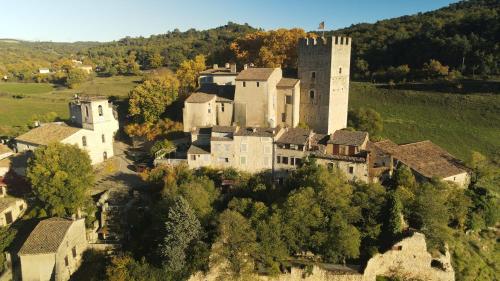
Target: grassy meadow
{"type": "Point", "coordinates": [20, 102]}
{"type": "Point", "coordinates": [459, 123]}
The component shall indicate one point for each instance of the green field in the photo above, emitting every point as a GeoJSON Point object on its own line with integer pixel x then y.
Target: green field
{"type": "Point", "coordinates": [459, 123]}
{"type": "Point", "coordinates": [41, 98]}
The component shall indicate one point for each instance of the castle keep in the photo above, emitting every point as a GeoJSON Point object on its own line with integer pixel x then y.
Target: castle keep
{"type": "Point", "coordinates": [323, 70]}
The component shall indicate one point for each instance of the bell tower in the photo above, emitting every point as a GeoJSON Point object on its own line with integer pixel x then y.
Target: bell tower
{"type": "Point", "coordinates": [323, 70]}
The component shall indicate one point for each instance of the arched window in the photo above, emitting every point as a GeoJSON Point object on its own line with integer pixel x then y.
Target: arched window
{"type": "Point", "coordinates": [340, 70]}
{"type": "Point", "coordinates": [103, 138]}
{"type": "Point", "coordinates": [99, 109]}
{"type": "Point", "coordinates": [84, 141]}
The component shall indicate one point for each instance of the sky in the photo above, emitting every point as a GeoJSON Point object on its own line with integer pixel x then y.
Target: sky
{"type": "Point", "coordinates": [107, 20]}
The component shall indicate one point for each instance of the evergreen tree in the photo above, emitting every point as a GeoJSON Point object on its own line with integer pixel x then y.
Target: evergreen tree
{"type": "Point", "coordinates": [392, 227]}
{"type": "Point", "coordinates": [182, 228]}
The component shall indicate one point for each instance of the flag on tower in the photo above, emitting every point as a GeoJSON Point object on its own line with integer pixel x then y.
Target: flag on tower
{"type": "Point", "coordinates": [321, 25]}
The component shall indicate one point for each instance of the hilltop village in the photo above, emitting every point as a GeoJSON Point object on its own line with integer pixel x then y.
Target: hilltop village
{"type": "Point", "coordinates": [251, 120]}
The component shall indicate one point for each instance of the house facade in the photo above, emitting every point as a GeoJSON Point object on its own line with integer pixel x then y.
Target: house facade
{"type": "Point", "coordinates": [11, 208]}
{"type": "Point", "coordinates": [93, 126]}
{"type": "Point", "coordinates": [53, 250]}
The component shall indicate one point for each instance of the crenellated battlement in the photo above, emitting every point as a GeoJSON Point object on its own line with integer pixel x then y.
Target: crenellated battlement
{"type": "Point", "coordinates": [328, 41]}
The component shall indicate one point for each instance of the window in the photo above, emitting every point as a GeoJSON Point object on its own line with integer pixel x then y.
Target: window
{"type": "Point", "coordinates": [8, 218]}
{"type": "Point", "coordinates": [336, 40]}
{"type": "Point", "coordinates": [104, 155]}
{"type": "Point", "coordinates": [298, 161]}
{"type": "Point", "coordinates": [351, 170]}
{"type": "Point", "coordinates": [340, 70]}
{"type": "Point", "coordinates": [209, 110]}
{"type": "Point", "coordinates": [73, 251]}
{"type": "Point", "coordinates": [66, 261]}
{"type": "Point", "coordinates": [226, 160]}
{"type": "Point", "coordinates": [222, 107]}
{"type": "Point", "coordinates": [292, 161]}
{"type": "Point", "coordinates": [283, 117]}
{"type": "Point", "coordinates": [313, 75]}
{"type": "Point", "coordinates": [341, 40]}
{"type": "Point", "coordinates": [103, 138]}
{"type": "Point", "coordinates": [21, 207]}
{"type": "Point", "coordinates": [288, 99]}
{"type": "Point", "coordinates": [84, 141]}
{"type": "Point", "coordinates": [243, 160]}
{"type": "Point", "coordinates": [193, 157]}
{"type": "Point", "coordinates": [87, 111]}
{"type": "Point", "coordinates": [278, 159]}
{"type": "Point", "coordinates": [284, 160]}
{"type": "Point", "coordinates": [311, 94]}
{"type": "Point", "coordinates": [244, 84]}
{"type": "Point", "coordinates": [258, 84]}
{"type": "Point", "coordinates": [293, 146]}
{"type": "Point", "coordinates": [99, 110]}
{"type": "Point", "coordinates": [243, 147]}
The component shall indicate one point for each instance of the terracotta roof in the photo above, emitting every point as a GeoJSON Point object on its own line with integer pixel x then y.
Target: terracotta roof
{"type": "Point", "coordinates": [193, 149]}
{"type": "Point", "coordinates": [46, 237]}
{"type": "Point", "coordinates": [428, 159]}
{"type": "Point", "coordinates": [200, 98]}
{"type": "Point", "coordinates": [257, 132]}
{"type": "Point", "coordinates": [48, 133]}
{"type": "Point", "coordinates": [4, 149]}
{"type": "Point", "coordinates": [287, 82]}
{"type": "Point", "coordinates": [386, 146]}
{"type": "Point", "coordinates": [6, 202]}
{"type": "Point", "coordinates": [294, 136]}
{"type": "Point", "coordinates": [255, 74]}
{"type": "Point", "coordinates": [344, 137]}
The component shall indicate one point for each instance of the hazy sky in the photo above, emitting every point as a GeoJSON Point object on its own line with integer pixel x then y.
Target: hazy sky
{"type": "Point", "coordinates": [106, 20]}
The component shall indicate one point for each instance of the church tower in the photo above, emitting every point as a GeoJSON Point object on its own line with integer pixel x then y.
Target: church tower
{"type": "Point", "coordinates": [93, 113]}
{"type": "Point", "coordinates": [323, 70]}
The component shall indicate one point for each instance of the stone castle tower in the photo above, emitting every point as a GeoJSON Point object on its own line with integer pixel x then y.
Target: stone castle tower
{"type": "Point", "coordinates": [323, 70]}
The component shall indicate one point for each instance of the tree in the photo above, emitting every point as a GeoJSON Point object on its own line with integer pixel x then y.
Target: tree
{"type": "Point", "coordinates": [274, 48]}
{"type": "Point", "coordinates": [366, 119]}
{"type": "Point", "coordinates": [155, 60]}
{"type": "Point", "coordinates": [124, 267]}
{"type": "Point", "coordinates": [434, 69]}
{"type": "Point", "coordinates": [61, 176]}
{"type": "Point", "coordinates": [7, 235]}
{"type": "Point", "coordinates": [403, 176]}
{"type": "Point", "coordinates": [162, 148]}
{"type": "Point", "coordinates": [236, 245]}
{"type": "Point", "coordinates": [182, 228]}
{"type": "Point", "coordinates": [200, 193]}
{"type": "Point", "coordinates": [392, 227]}
{"type": "Point", "coordinates": [75, 77]}
{"type": "Point", "coordinates": [342, 241]}
{"type": "Point", "coordinates": [149, 100]}
{"type": "Point", "coordinates": [188, 73]}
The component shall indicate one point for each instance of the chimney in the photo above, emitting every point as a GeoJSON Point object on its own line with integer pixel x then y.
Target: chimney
{"type": "Point", "coordinates": [245, 66]}
{"type": "Point", "coordinates": [233, 68]}
{"type": "Point", "coordinates": [226, 65]}
{"type": "Point", "coordinates": [216, 66]}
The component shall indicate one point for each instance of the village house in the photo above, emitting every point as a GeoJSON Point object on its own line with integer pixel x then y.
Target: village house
{"type": "Point", "coordinates": [53, 250]}
{"type": "Point", "coordinates": [5, 153]}
{"type": "Point", "coordinates": [43, 71]}
{"type": "Point", "coordinates": [425, 159]}
{"type": "Point", "coordinates": [219, 75]}
{"type": "Point", "coordinates": [92, 127]}
{"type": "Point", "coordinates": [11, 208]}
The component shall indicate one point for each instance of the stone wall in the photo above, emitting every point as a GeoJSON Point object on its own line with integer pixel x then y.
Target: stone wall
{"type": "Point", "coordinates": [408, 258]}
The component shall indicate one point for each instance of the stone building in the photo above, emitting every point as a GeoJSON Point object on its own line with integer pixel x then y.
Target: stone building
{"type": "Point", "coordinates": [425, 159]}
{"type": "Point", "coordinates": [53, 250]}
{"type": "Point", "coordinates": [219, 75]}
{"type": "Point", "coordinates": [11, 208]}
{"type": "Point", "coordinates": [93, 126]}
{"type": "Point", "coordinates": [323, 69]}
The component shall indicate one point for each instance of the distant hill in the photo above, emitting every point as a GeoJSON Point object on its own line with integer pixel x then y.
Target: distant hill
{"type": "Point", "coordinates": [464, 36]}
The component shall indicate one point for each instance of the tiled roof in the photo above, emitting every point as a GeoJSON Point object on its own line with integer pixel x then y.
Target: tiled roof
{"type": "Point", "coordinates": [6, 202]}
{"type": "Point", "coordinates": [221, 99]}
{"type": "Point", "coordinates": [428, 159]}
{"type": "Point", "coordinates": [255, 74]}
{"type": "Point", "coordinates": [287, 82]}
{"type": "Point", "coordinates": [219, 71]}
{"type": "Point", "coordinates": [345, 158]}
{"type": "Point", "coordinates": [46, 237]}
{"type": "Point", "coordinates": [193, 149]}
{"type": "Point", "coordinates": [200, 98]}
{"type": "Point", "coordinates": [344, 137]}
{"type": "Point", "coordinates": [48, 133]}
{"type": "Point", "coordinates": [257, 132]}
{"type": "Point", "coordinates": [386, 146]}
{"type": "Point", "coordinates": [294, 136]}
